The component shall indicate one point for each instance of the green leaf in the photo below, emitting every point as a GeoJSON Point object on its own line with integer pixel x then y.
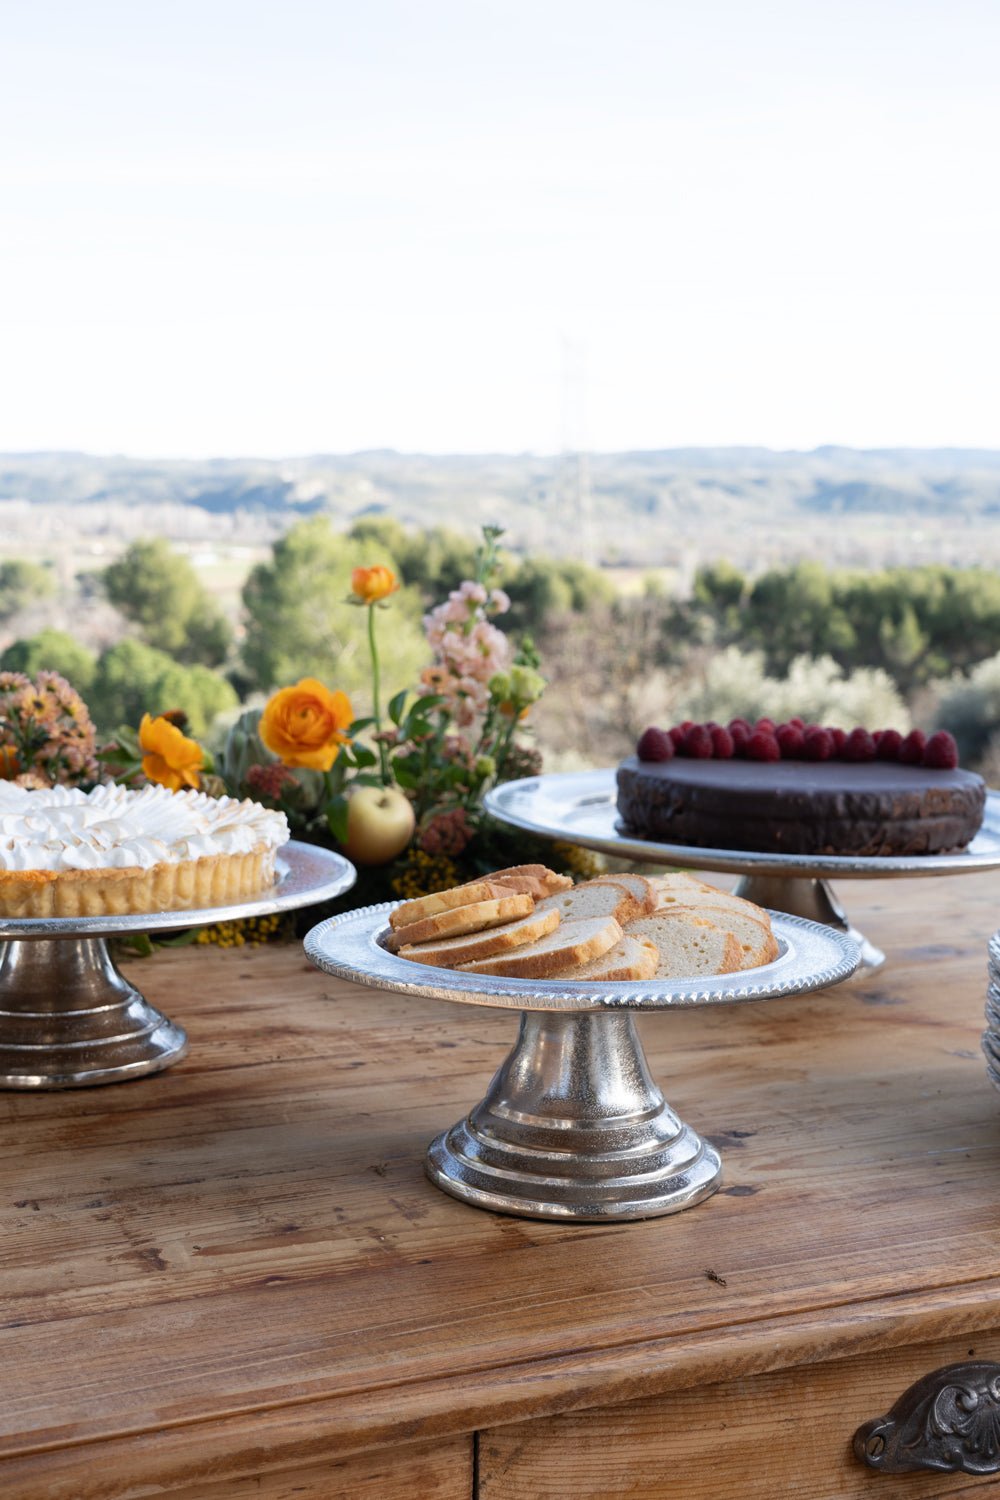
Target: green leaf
{"type": "Point", "coordinates": [426, 703]}
{"type": "Point", "coordinates": [406, 777]}
{"type": "Point", "coordinates": [366, 778]}
{"type": "Point", "coordinates": [336, 818]}
{"type": "Point", "coordinates": [396, 706]}
{"type": "Point", "coordinates": [364, 757]}
{"type": "Point", "coordinates": [356, 727]}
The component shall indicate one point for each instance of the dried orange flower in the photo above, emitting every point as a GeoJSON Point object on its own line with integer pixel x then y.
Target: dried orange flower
{"type": "Point", "coordinates": [170, 758]}
{"type": "Point", "coordinates": [306, 725]}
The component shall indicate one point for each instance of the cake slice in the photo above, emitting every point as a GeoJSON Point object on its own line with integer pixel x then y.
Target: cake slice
{"type": "Point", "coordinates": [449, 953]}
{"type": "Point", "coordinates": [595, 898]}
{"type": "Point", "coordinates": [757, 941]}
{"type": "Point", "coordinates": [538, 879]}
{"type": "Point", "coordinates": [457, 920]}
{"type": "Point", "coordinates": [632, 958]}
{"type": "Point", "coordinates": [572, 943]}
{"type": "Point", "coordinates": [689, 945]}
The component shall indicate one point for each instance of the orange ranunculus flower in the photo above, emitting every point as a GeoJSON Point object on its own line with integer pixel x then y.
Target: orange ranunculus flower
{"type": "Point", "coordinates": [171, 759]}
{"type": "Point", "coordinates": [372, 584]}
{"type": "Point", "coordinates": [306, 725]}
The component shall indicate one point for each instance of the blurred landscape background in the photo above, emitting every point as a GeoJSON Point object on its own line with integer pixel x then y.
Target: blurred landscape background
{"type": "Point", "coordinates": [856, 587]}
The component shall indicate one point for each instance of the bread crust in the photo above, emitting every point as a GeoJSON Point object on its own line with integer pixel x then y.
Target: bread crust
{"type": "Point", "coordinates": [477, 916]}
{"type": "Point", "coordinates": [451, 953]}
{"type": "Point", "coordinates": [581, 941]}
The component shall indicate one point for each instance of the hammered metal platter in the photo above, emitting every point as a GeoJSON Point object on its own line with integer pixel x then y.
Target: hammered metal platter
{"type": "Point", "coordinates": [573, 1125]}
{"type": "Point", "coordinates": [352, 947]}
{"type": "Point", "coordinates": [580, 806]}
{"type": "Point", "coordinates": [69, 1019]}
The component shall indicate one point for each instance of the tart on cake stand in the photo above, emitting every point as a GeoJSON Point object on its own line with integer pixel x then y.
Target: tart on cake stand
{"type": "Point", "coordinates": [581, 807]}
{"type": "Point", "coordinates": [573, 1125]}
{"type": "Point", "coordinates": [68, 1018]}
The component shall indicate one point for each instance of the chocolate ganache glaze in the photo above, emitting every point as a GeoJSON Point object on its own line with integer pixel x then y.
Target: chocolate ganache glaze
{"type": "Point", "coordinates": [797, 807]}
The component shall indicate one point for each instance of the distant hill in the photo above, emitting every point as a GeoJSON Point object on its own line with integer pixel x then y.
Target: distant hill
{"type": "Point", "coordinates": [667, 507]}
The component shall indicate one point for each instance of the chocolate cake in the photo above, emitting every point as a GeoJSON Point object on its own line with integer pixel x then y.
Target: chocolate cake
{"type": "Point", "coordinates": [795, 806]}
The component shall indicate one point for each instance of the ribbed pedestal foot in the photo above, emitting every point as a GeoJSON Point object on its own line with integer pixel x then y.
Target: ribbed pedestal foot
{"type": "Point", "coordinates": [68, 1019]}
{"type": "Point", "coordinates": [573, 1127]}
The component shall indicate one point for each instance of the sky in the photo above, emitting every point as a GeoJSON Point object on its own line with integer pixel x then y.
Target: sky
{"type": "Point", "coordinates": [303, 226]}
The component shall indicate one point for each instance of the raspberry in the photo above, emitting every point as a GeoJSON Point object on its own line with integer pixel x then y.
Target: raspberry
{"type": "Point", "coordinates": [655, 744]}
{"type": "Point", "coordinates": [765, 726]}
{"type": "Point", "coordinates": [740, 735]}
{"type": "Point", "coordinates": [887, 747]}
{"type": "Point", "coordinates": [687, 724]}
{"type": "Point", "coordinates": [722, 743]}
{"type": "Point", "coordinates": [817, 744]}
{"type": "Point", "coordinates": [859, 746]}
{"type": "Point", "coordinates": [791, 740]}
{"type": "Point", "coordinates": [762, 746]}
{"type": "Point", "coordinates": [797, 723]}
{"type": "Point", "coordinates": [911, 751]}
{"type": "Point", "coordinates": [941, 752]}
{"type": "Point", "coordinates": [811, 728]}
{"type": "Point", "coordinates": [739, 724]}
{"type": "Point", "coordinates": [839, 738]}
{"type": "Point", "coordinates": [677, 735]}
{"type": "Point", "coordinates": [698, 743]}
{"type": "Point", "coordinates": [710, 724]}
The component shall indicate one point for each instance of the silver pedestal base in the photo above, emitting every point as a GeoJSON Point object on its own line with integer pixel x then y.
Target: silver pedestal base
{"type": "Point", "coordinates": [573, 1127]}
{"type": "Point", "coordinates": [69, 1019]}
{"type": "Point", "coordinates": [801, 897]}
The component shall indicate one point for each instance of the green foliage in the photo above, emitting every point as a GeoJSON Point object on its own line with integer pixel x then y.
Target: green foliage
{"type": "Point", "coordinates": [970, 708]}
{"type": "Point", "coordinates": [298, 621]}
{"type": "Point", "coordinates": [133, 678]}
{"type": "Point", "coordinates": [21, 584]}
{"type": "Point", "coordinates": [52, 651]}
{"type": "Point", "coordinates": [160, 592]}
{"type": "Point", "coordinates": [735, 683]}
{"type": "Point", "coordinates": [914, 623]}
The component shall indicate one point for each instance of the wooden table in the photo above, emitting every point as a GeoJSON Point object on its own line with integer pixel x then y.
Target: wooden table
{"type": "Point", "coordinates": [233, 1279]}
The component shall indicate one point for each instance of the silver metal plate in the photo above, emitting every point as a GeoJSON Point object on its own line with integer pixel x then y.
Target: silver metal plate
{"type": "Point", "coordinates": [580, 806]}
{"type": "Point", "coordinates": [307, 874]}
{"type": "Point", "coordinates": [351, 946]}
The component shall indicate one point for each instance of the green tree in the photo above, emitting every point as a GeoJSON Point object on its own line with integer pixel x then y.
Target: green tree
{"type": "Point", "coordinates": [21, 584]}
{"type": "Point", "coordinates": [133, 679]}
{"type": "Point", "coordinates": [160, 592]}
{"type": "Point", "coordinates": [298, 623]}
{"type": "Point", "coordinates": [52, 651]}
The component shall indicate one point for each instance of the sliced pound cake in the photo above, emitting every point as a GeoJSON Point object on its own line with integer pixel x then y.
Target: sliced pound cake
{"type": "Point", "coordinates": [689, 945]}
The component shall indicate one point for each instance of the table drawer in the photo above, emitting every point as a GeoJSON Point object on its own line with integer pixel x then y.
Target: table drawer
{"type": "Point", "coordinates": [784, 1434]}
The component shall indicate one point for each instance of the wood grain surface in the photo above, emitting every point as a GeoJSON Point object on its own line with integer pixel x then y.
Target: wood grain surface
{"type": "Point", "coordinates": [238, 1267]}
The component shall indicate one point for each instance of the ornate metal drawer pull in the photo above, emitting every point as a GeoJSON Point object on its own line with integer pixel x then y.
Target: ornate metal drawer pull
{"type": "Point", "coordinates": [949, 1421]}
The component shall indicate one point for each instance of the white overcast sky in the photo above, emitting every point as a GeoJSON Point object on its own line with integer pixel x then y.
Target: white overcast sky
{"type": "Point", "coordinates": [229, 227]}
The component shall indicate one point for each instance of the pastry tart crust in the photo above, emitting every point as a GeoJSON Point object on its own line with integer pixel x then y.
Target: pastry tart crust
{"type": "Point", "coordinates": [212, 880]}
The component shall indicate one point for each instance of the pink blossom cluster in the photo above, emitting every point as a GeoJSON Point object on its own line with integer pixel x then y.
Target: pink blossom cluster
{"type": "Point", "coordinates": [46, 732]}
{"type": "Point", "coordinates": [468, 649]}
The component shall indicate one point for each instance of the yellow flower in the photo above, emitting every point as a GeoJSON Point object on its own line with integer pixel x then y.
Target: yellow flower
{"type": "Point", "coordinates": [171, 759]}
{"type": "Point", "coordinates": [9, 764]}
{"type": "Point", "coordinates": [305, 725]}
{"type": "Point", "coordinates": [372, 584]}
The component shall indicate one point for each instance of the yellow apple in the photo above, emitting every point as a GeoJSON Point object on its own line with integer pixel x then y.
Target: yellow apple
{"type": "Point", "coordinates": [380, 824]}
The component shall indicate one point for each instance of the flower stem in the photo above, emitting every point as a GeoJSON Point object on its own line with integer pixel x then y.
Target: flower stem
{"type": "Point", "coordinates": [383, 755]}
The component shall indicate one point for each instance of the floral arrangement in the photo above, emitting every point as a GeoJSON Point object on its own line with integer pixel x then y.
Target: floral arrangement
{"type": "Point", "coordinates": [46, 732]}
{"type": "Point", "coordinates": [400, 791]}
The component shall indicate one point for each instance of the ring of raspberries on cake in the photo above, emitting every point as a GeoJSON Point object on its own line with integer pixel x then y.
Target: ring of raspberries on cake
{"type": "Point", "coordinates": [799, 788]}
{"type": "Point", "coordinates": [112, 852]}
{"type": "Point", "coordinates": [529, 923]}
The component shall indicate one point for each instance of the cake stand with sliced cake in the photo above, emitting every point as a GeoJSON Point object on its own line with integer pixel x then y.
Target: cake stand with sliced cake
{"type": "Point", "coordinates": [68, 1018]}
{"type": "Point", "coordinates": [573, 1126]}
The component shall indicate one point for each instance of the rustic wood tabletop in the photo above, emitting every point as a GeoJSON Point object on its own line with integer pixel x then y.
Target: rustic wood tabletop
{"type": "Point", "coordinates": [233, 1279]}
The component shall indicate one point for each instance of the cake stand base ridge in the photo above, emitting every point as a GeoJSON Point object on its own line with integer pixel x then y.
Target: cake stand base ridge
{"type": "Point", "coordinates": [50, 1039]}
{"type": "Point", "coordinates": [573, 1127]}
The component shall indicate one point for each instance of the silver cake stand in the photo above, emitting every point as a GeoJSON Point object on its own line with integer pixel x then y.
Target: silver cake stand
{"type": "Point", "coordinates": [580, 807]}
{"type": "Point", "coordinates": [573, 1125]}
{"type": "Point", "coordinates": [68, 1017]}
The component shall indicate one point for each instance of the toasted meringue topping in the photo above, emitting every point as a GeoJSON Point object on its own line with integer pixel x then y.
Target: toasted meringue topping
{"type": "Point", "coordinates": [62, 828]}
